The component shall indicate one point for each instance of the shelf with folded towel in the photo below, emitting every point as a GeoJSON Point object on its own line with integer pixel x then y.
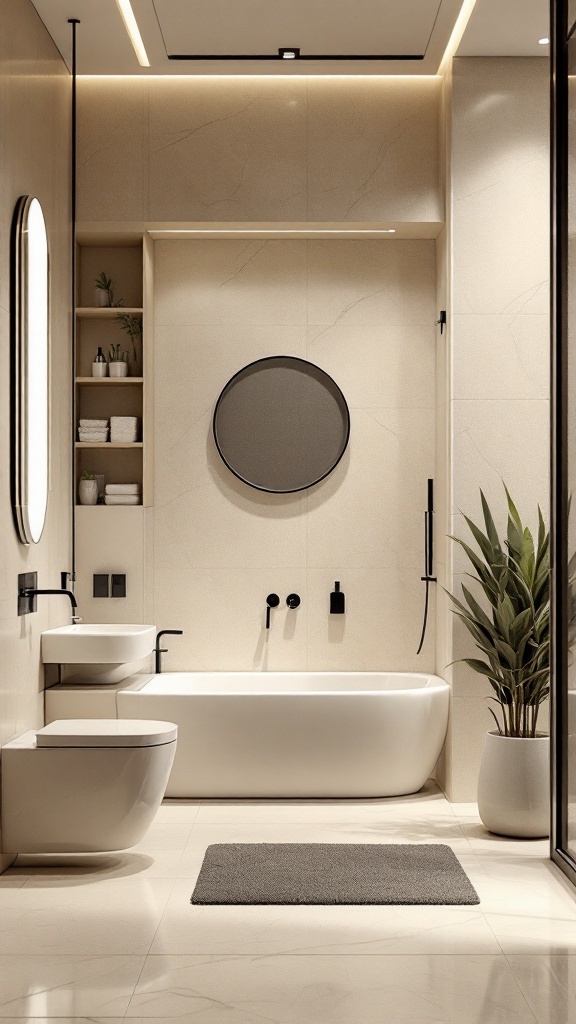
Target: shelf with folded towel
{"type": "Point", "coordinates": [116, 382]}
{"type": "Point", "coordinates": [109, 444]}
{"type": "Point", "coordinates": [118, 408]}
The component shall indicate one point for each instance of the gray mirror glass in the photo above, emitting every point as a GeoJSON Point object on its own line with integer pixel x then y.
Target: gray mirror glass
{"type": "Point", "coordinates": [31, 368]}
{"type": "Point", "coordinates": [281, 424]}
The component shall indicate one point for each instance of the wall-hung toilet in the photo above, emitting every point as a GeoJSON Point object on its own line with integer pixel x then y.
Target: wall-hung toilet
{"type": "Point", "coordinates": [84, 786]}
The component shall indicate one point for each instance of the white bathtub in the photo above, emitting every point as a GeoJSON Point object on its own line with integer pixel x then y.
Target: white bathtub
{"type": "Point", "coordinates": [284, 734]}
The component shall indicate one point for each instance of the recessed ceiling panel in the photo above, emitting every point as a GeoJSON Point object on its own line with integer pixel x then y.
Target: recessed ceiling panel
{"type": "Point", "coordinates": [506, 28]}
{"type": "Point", "coordinates": [317, 27]}
{"type": "Point", "coordinates": [328, 29]}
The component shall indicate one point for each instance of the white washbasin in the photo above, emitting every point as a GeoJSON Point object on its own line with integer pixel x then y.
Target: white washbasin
{"type": "Point", "coordinates": [99, 643]}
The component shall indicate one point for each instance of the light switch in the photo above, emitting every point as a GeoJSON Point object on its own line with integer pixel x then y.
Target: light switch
{"type": "Point", "coordinates": [118, 584]}
{"type": "Point", "coordinates": [100, 585]}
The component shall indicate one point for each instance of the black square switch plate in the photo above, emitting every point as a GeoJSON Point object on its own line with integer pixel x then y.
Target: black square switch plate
{"type": "Point", "coordinates": [100, 584]}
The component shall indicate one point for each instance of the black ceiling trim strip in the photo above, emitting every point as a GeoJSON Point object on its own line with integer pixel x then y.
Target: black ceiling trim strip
{"type": "Point", "coordinates": [305, 56]}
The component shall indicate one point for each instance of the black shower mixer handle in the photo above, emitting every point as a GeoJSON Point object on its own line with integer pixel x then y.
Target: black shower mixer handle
{"type": "Point", "coordinates": [272, 601]}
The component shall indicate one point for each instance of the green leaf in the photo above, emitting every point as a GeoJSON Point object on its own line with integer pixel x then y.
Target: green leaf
{"type": "Point", "coordinates": [482, 542]}
{"type": "Point", "coordinates": [491, 530]}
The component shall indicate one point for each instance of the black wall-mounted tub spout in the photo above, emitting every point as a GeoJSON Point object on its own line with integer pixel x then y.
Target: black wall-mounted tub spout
{"type": "Point", "coordinates": [272, 601]}
{"type": "Point", "coordinates": [27, 600]}
{"type": "Point", "coordinates": [159, 651]}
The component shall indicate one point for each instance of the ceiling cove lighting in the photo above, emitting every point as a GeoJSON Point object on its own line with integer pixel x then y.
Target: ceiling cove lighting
{"type": "Point", "coordinates": [131, 26]}
{"type": "Point", "coordinates": [457, 33]}
{"type": "Point", "coordinates": [271, 231]}
{"type": "Point", "coordinates": [186, 78]}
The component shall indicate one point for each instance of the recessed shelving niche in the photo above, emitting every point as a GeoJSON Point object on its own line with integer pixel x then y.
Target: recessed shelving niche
{"type": "Point", "coordinates": [127, 260]}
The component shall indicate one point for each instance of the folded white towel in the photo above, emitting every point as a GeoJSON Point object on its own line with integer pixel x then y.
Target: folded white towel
{"type": "Point", "coordinates": [122, 499]}
{"type": "Point", "coordinates": [93, 436]}
{"type": "Point", "coordinates": [124, 420]}
{"type": "Point", "coordinates": [124, 436]}
{"type": "Point", "coordinates": [122, 488]}
{"type": "Point", "coordinates": [94, 423]}
{"type": "Point", "coordinates": [93, 430]}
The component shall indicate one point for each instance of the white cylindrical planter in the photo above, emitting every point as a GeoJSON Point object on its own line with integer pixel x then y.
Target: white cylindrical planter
{"type": "Point", "coordinates": [118, 369]}
{"type": "Point", "coordinates": [88, 492]}
{"type": "Point", "coordinates": [99, 369]}
{"type": "Point", "coordinates": [514, 786]}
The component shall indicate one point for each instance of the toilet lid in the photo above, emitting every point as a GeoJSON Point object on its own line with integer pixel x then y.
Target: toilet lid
{"type": "Point", "coordinates": [106, 732]}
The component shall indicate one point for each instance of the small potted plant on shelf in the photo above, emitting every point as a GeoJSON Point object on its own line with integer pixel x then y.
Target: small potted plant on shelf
{"type": "Point", "coordinates": [117, 361]}
{"type": "Point", "coordinates": [511, 629]}
{"type": "Point", "coordinates": [132, 325]}
{"type": "Point", "coordinates": [88, 488]}
{"type": "Point", "coordinates": [105, 291]}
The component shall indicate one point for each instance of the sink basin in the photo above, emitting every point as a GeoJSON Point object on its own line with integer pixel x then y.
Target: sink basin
{"type": "Point", "coordinates": [97, 643]}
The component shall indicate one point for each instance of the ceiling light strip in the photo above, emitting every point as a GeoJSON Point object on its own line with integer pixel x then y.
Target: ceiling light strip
{"type": "Point", "coordinates": [131, 26]}
{"type": "Point", "coordinates": [458, 31]}
{"type": "Point", "coordinates": [271, 231]}
{"type": "Point", "coordinates": [176, 76]}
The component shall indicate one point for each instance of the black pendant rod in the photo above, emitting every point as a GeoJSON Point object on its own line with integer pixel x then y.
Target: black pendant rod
{"type": "Point", "coordinates": [73, 22]}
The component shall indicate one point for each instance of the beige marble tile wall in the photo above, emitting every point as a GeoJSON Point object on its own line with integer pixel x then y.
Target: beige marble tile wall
{"type": "Point", "coordinates": [364, 311]}
{"type": "Point", "coordinates": [34, 159]}
{"type": "Point", "coordinates": [500, 331]}
{"type": "Point", "coordinates": [266, 149]}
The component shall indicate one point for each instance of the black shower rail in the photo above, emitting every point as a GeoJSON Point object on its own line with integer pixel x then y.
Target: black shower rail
{"type": "Point", "coordinates": [428, 578]}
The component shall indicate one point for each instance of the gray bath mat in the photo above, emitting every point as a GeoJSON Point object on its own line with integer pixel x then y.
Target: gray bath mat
{"type": "Point", "coordinates": [327, 873]}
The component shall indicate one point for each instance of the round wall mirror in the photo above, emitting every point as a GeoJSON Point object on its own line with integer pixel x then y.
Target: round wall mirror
{"type": "Point", "coordinates": [31, 369]}
{"type": "Point", "coordinates": [281, 424]}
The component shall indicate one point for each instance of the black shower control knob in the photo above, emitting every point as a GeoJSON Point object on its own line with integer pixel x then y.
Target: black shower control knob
{"type": "Point", "coordinates": [272, 600]}
{"type": "Point", "coordinates": [293, 600]}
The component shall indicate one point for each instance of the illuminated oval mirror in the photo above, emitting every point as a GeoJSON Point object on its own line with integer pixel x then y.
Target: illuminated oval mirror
{"type": "Point", "coordinates": [281, 424]}
{"type": "Point", "coordinates": [31, 368]}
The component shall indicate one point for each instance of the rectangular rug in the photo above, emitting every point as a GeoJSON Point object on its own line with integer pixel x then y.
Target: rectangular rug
{"type": "Point", "coordinates": [331, 873]}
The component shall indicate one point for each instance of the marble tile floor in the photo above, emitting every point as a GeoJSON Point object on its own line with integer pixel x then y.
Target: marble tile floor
{"type": "Point", "coordinates": [114, 937]}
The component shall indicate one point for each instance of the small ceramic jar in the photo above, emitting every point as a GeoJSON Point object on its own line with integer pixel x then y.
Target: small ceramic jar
{"type": "Point", "coordinates": [88, 492]}
{"type": "Point", "coordinates": [118, 369]}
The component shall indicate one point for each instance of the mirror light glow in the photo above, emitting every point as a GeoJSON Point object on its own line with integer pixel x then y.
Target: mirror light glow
{"type": "Point", "coordinates": [32, 364]}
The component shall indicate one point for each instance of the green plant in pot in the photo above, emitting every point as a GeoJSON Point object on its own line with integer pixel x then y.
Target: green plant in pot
{"type": "Point", "coordinates": [88, 488]}
{"type": "Point", "coordinates": [132, 325]}
{"type": "Point", "coordinates": [511, 629]}
{"type": "Point", "coordinates": [118, 361]}
{"type": "Point", "coordinates": [105, 291]}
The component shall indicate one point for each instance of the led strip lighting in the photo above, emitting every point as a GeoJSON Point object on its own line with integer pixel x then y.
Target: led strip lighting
{"type": "Point", "coordinates": [457, 33]}
{"type": "Point", "coordinates": [131, 26]}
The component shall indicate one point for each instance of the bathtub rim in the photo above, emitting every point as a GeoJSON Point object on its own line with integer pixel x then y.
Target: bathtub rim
{"type": "Point", "coordinates": [439, 685]}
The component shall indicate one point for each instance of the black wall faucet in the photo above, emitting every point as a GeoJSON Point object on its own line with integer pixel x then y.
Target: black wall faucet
{"type": "Point", "coordinates": [159, 651]}
{"type": "Point", "coordinates": [27, 602]}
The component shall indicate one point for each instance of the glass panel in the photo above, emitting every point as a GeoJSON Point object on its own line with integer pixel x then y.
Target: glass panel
{"type": "Point", "coordinates": [570, 738]}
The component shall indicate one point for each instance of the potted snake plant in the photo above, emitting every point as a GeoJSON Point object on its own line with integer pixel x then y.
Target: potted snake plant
{"type": "Point", "coordinates": [511, 630]}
